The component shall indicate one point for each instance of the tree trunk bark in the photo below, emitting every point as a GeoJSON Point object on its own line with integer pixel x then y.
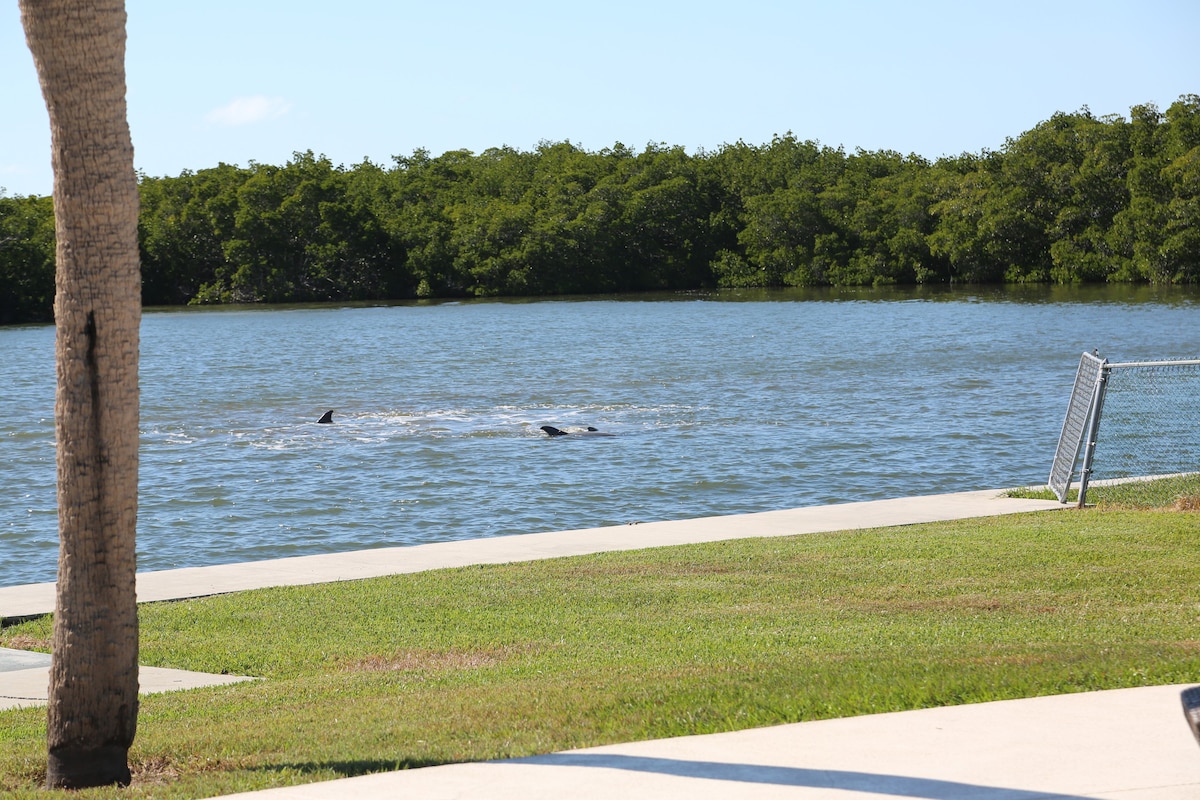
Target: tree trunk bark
{"type": "Point", "coordinates": [79, 49]}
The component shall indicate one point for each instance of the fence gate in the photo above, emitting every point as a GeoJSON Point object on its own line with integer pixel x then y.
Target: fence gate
{"type": "Point", "coordinates": [1154, 427]}
{"type": "Point", "coordinates": [1088, 380]}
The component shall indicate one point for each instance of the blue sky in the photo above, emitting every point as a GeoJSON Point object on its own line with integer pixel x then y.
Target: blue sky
{"type": "Point", "coordinates": [256, 80]}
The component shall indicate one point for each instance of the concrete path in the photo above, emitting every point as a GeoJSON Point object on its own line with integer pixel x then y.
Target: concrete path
{"type": "Point", "coordinates": [1129, 744]}
{"type": "Point", "coordinates": [25, 679]}
{"type": "Point", "coordinates": [31, 600]}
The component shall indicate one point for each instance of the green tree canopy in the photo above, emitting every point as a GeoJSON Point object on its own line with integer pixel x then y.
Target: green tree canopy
{"type": "Point", "coordinates": [1077, 198]}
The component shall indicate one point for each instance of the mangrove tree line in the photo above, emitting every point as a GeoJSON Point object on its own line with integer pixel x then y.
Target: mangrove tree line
{"type": "Point", "coordinates": [1078, 198]}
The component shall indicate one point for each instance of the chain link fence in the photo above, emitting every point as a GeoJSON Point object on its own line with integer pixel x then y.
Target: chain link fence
{"type": "Point", "coordinates": [1127, 422]}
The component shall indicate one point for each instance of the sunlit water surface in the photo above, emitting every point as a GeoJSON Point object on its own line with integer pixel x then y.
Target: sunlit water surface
{"type": "Point", "coordinates": [720, 404]}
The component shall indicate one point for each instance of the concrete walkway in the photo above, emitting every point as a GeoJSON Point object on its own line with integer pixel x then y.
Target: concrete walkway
{"type": "Point", "coordinates": [28, 685]}
{"type": "Point", "coordinates": [25, 679]}
{"type": "Point", "coordinates": [1130, 744]}
{"type": "Point", "coordinates": [17, 602]}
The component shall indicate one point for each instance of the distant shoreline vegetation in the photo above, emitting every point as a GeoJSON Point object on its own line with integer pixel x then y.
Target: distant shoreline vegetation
{"type": "Point", "coordinates": [1077, 199]}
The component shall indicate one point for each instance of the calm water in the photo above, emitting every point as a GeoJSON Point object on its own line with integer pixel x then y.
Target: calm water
{"type": "Point", "coordinates": [749, 402]}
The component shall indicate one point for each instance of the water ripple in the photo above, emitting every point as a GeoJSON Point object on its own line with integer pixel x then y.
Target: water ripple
{"type": "Point", "coordinates": [718, 408]}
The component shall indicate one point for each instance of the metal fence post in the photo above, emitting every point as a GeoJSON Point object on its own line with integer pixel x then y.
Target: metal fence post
{"type": "Point", "coordinates": [1085, 473]}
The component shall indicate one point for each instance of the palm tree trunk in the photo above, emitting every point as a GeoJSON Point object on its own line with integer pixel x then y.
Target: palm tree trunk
{"type": "Point", "coordinates": [79, 49]}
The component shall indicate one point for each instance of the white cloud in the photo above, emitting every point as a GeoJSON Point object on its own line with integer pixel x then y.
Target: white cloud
{"type": "Point", "coordinates": [249, 110]}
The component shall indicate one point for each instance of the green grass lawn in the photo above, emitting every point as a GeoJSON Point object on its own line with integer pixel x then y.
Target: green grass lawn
{"type": "Point", "coordinates": [1180, 492]}
{"type": "Point", "coordinates": [495, 661]}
